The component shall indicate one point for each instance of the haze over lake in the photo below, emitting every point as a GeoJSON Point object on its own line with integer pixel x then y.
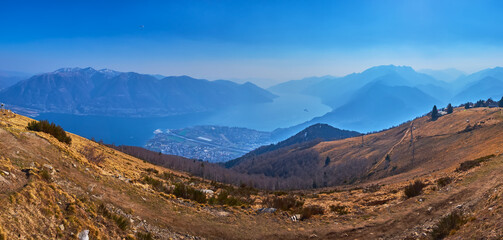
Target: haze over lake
{"type": "Point", "coordinates": [136, 131]}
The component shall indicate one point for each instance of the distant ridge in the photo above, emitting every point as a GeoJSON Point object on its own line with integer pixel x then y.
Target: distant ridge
{"type": "Point", "coordinates": [108, 92]}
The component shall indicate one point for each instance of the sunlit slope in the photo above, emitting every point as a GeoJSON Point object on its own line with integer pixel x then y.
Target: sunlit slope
{"type": "Point", "coordinates": [420, 146]}
{"type": "Point", "coordinates": [453, 138]}
{"type": "Point", "coordinates": [51, 190]}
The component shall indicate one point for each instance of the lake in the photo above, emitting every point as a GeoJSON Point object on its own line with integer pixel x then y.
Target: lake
{"type": "Point", "coordinates": [284, 111]}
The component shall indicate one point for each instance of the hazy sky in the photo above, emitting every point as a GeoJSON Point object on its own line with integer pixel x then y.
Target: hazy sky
{"type": "Point", "coordinates": [266, 41]}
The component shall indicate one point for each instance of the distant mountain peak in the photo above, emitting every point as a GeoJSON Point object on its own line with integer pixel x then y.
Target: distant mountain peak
{"type": "Point", "coordinates": [75, 69]}
{"type": "Point", "coordinates": [391, 67]}
{"type": "Point", "coordinates": [109, 72]}
{"type": "Point", "coordinates": [180, 77]}
{"type": "Point", "coordinates": [127, 93]}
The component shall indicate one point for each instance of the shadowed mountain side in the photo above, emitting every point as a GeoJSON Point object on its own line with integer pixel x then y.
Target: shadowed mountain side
{"type": "Point", "coordinates": [336, 92]}
{"type": "Point", "coordinates": [213, 171]}
{"type": "Point", "coordinates": [487, 87]}
{"type": "Point", "coordinates": [463, 82]}
{"type": "Point", "coordinates": [311, 135]}
{"type": "Point", "coordinates": [375, 106]}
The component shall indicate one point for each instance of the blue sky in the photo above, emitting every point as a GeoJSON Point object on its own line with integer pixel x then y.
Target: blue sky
{"type": "Point", "coordinates": [265, 41]}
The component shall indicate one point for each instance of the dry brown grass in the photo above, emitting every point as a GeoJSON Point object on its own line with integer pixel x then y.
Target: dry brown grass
{"type": "Point", "coordinates": [78, 186]}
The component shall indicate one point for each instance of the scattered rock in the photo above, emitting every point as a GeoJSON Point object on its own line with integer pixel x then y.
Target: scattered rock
{"type": "Point", "coordinates": [266, 210]}
{"type": "Point", "coordinates": [459, 206]}
{"type": "Point", "coordinates": [3, 180]}
{"type": "Point", "coordinates": [47, 166]}
{"type": "Point", "coordinates": [84, 235]}
{"type": "Point", "coordinates": [207, 191]}
{"type": "Point", "coordinates": [223, 214]}
{"type": "Point", "coordinates": [296, 217]}
{"type": "Point", "coordinates": [62, 227]}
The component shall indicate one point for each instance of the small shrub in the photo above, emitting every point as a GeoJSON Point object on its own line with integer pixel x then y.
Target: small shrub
{"type": "Point", "coordinates": [414, 189]}
{"type": "Point", "coordinates": [183, 191]}
{"type": "Point", "coordinates": [280, 193]}
{"type": "Point", "coordinates": [308, 212]}
{"type": "Point", "coordinates": [144, 236]}
{"type": "Point", "coordinates": [283, 203]}
{"type": "Point", "coordinates": [71, 209]}
{"type": "Point", "coordinates": [44, 174]}
{"type": "Point", "coordinates": [166, 176]}
{"type": "Point", "coordinates": [444, 181]}
{"type": "Point", "coordinates": [467, 165]}
{"type": "Point", "coordinates": [104, 211]}
{"type": "Point", "coordinates": [152, 170]}
{"type": "Point", "coordinates": [50, 128]}
{"type": "Point", "coordinates": [339, 209]}
{"type": "Point", "coordinates": [372, 188]}
{"type": "Point", "coordinates": [448, 224]}
{"type": "Point", "coordinates": [92, 154]}
{"type": "Point", "coordinates": [157, 185]}
{"type": "Point", "coordinates": [377, 202]}
{"type": "Point", "coordinates": [212, 201]}
{"type": "Point", "coordinates": [224, 199]}
{"type": "Point", "coordinates": [122, 222]}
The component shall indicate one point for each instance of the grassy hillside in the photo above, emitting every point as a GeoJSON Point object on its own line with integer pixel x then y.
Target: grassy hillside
{"type": "Point", "coordinates": [53, 190]}
{"type": "Point", "coordinates": [463, 135]}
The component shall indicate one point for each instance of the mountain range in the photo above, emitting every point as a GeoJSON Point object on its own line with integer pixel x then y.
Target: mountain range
{"type": "Point", "coordinates": [107, 92]}
{"type": "Point", "coordinates": [385, 96]}
{"type": "Point", "coordinates": [377, 98]}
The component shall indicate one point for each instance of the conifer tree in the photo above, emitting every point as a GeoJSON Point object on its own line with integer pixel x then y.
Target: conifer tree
{"type": "Point", "coordinates": [479, 103]}
{"type": "Point", "coordinates": [434, 113]}
{"type": "Point", "coordinates": [500, 102]}
{"type": "Point", "coordinates": [449, 109]}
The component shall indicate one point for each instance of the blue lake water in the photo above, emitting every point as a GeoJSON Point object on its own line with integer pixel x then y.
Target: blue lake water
{"type": "Point", "coordinates": [284, 111]}
{"type": "Point", "coordinates": [120, 130]}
